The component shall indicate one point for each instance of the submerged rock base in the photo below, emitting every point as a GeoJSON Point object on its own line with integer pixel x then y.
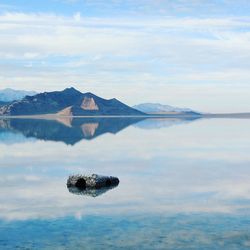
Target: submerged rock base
{"type": "Point", "coordinates": [93, 181]}
{"type": "Point", "coordinates": [90, 191]}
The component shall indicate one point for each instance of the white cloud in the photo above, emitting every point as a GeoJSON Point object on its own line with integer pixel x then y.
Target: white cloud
{"type": "Point", "coordinates": [98, 33]}
{"type": "Point", "coordinates": [77, 17]}
{"type": "Point", "coordinates": [146, 53]}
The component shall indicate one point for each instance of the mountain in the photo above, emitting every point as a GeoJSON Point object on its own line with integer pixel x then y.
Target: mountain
{"type": "Point", "coordinates": [157, 108]}
{"type": "Point", "coordinates": [9, 95]}
{"type": "Point", "coordinates": [69, 102]}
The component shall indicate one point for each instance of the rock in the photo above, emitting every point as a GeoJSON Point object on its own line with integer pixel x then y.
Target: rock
{"type": "Point", "coordinates": [93, 181]}
{"type": "Point", "coordinates": [91, 185]}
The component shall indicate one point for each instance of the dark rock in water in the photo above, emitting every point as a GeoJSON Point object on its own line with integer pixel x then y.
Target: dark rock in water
{"type": "Point", "coordinates": [91, 185]}
{"type": "Point", "coordinates": [93, 181]}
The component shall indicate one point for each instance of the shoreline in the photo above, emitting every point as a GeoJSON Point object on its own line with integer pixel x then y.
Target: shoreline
{"type": "Point", "coordinates": [54, 116]}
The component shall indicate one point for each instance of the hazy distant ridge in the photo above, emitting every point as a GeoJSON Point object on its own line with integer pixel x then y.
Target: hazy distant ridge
{"type": "Point", "coordinates": [9, 95]}
{"type": "Point", "coordinates": [160, 108]}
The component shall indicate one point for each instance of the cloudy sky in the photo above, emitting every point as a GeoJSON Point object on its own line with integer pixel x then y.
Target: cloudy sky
{"type": "Point", "coordinates": [188, 53]}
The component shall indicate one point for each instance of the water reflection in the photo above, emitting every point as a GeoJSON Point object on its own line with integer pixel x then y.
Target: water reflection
{"type": "Point", "coordinates": [156, 123]}
{"type": "Point", "coordinates": [183, 187]}
{"type": "Point", "coordinates": [65, 129]}
{"type": "Point", "coordinates": [70, 131]}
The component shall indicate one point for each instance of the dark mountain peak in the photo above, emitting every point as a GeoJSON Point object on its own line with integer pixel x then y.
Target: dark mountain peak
{"type": "Point", "coordinates": [89, 94]}
{"type": "Point", "coordinates": [71, 90]}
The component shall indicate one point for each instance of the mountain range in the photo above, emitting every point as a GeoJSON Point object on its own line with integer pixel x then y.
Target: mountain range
{"type": "Point", "coordinates": [69, 102]}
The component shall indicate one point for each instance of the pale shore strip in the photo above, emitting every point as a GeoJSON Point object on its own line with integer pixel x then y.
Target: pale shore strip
{"type": "Point", "coordinates": [169, 115]}
{"type": "Point", "coordinates": [228, 115]}
{"type": "Point", "coordinates": [55, 117]}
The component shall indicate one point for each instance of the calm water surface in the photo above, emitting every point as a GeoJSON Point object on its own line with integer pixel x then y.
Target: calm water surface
{"type": "Point", "coordinates": [184, 184]}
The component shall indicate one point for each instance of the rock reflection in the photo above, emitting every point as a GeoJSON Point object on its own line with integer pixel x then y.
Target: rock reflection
{"type": "Point", "coordinates": [93, 192]}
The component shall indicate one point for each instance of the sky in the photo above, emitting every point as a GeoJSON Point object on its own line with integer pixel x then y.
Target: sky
{"type": "Point", "coordinates": [186, 53]}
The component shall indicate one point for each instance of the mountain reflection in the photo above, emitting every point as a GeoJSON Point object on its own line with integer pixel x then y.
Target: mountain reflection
{"type": "Point", "coordinates": [156, 123]}
{"type": "Point", "coordinates": [72, 130]}
{"type": "Point", "coordinates": [65, 129]}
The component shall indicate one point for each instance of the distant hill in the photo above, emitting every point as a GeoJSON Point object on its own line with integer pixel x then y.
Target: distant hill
{"type": "Point", "coordinates": [9, 95]}
{"type": "Point", "coordinates": [69, 102]}
{"type": "Point", "coordinates": [3, 103]}
{"type": "Point", "coordinates": [157, 108]}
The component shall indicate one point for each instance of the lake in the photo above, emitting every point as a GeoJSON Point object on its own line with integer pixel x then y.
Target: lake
{"type": "Point", "coordinates": [184, 183]}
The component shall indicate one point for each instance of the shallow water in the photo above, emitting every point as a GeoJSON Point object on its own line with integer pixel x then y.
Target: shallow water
{"type": "Point", "coordinates": [184, 184]}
